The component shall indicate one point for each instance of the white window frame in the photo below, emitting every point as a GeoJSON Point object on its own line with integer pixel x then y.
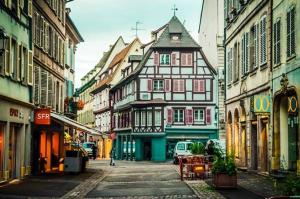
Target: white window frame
{"type": "Point", "coordinates": [157, 115]}
{"type": "Point", "coordinates": [163, 59]}
{"type": "Point", "coordinates": [263, 40]}
{"type": "Point", "coordinates": [178, 113]}
{"type": "Point", "coordinates": [199, 120]}
{"type": "Point", "coordinates": [158, 85]}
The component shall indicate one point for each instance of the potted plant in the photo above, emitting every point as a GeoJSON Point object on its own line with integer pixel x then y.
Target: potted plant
{"type": "Point", "coordinates": [224, 172]}
{"type": "Point", "coordinates": [197, 148]}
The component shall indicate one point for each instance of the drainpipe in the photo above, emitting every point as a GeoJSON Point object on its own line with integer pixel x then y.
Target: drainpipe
{"type": "Point", "coordinates": [271, 76]}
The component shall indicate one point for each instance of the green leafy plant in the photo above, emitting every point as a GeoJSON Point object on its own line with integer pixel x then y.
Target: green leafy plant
{"type": "Point", "coordinates": [224, 165]}
{"type": "Point", "coordinates": [197, 148]}
{"type": "Point", "coordinates": [290, 185]}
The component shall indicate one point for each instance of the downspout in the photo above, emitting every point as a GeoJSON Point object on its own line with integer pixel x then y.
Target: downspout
{"type": "Point", "coordinates": [271, 76]}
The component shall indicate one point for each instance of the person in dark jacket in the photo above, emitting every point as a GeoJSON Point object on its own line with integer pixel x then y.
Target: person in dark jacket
{"type": "Point", "coordinates": [94, 150]}
{"type": "Point", "coordinates": [112, 157]}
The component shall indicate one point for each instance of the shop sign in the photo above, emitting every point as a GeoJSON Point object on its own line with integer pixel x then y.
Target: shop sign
{"type": "Point", "coordinates": [292, 104]}
{"type": "Point", "coordinates": [42, 116]}
{"type": "Point", "coordinates": [16, 113]}
{"type": "Point", "coordinates": [262, 104]}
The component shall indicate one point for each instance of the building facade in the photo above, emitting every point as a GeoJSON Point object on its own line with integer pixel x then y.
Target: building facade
{"type": "Point", "coordinates": [168, 97]}
{"type": "Point", "coordinates": [248, 62]}
{"type": "Point", "coordinates": [285, 86]}
{"type": "Point", "coordinates": [16, 81]}
{"type": "Point", "coordinates": [211, 39]}
{"type": "Point", "coordinates": [108, 77]}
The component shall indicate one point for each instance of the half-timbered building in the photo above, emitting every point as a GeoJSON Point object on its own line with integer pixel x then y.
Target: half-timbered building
{"type": "Point", "coordinates": [169, 96]}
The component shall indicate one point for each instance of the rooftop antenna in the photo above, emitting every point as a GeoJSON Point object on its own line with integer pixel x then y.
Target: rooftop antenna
{"type": "Point", "coordinates": [174, 9]}
{"type": "Point", "coordinates": [137, 28]}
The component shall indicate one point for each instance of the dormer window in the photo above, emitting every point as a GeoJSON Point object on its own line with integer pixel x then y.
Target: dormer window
{"type": "Point", "coordinates": [175, 37]}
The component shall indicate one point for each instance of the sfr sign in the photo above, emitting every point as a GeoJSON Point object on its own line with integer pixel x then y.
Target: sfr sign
{"type": "Point", "coordinates": [42, 116]}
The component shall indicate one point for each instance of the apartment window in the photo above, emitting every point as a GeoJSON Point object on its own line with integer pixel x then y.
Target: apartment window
{"type": "Point", "coordinates": [199, 115]}
{"type": "Point", "coordinates": [245, 54]}
{"type": "Point", "coordinates": [164, 59]}
{"type": "Point", "coordinates": [235, 62]}
{"type": "Point", "coordinates": [143, 118]}
{"type": "Point", "coordinates": [14, 59]}
{"type": "Point", "coordinates": [229, 66]}
{"type": "Point", "coordinates": [157, 118]}
{"type": "Point", "coordinates": [178, 85]}
{"type": "Point", "coordinates": [199, 85]}
{"type": "Point", "coordinates": [158, 85]}
{"type": "Point", "coordinates": [149, 118]}
{"type": "Point", "coordinates": [178, 115]}
{"type": "Point", "coordinates": [253, 47]}
{"type": "Point", "coordinates": [2, 63]}
{"type": "Point", "coordinates": [24, 63]}
{"type": "Point", "coordinates": [186, 59]}
{"type": "Point", "coordinates": [291, 34]}
{"type": "Point", "coordinates": [276, 42]}
{"type": "Point", "coordinates": [263, 40]}
{"type": "Point", "coordinates": [137, 118]}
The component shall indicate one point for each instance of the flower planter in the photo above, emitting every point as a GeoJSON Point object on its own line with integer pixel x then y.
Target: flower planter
{"type": "Point", "coordinates": [224, 181]}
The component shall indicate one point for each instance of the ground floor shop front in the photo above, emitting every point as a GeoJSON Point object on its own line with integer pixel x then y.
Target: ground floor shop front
{"type": "Point", "coordinates": [15, 138]}
{"type": "Point", "coordinates": [157, 147]}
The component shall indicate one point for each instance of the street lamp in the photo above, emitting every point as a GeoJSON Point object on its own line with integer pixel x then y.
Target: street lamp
{"type": "Point", "coordinates": [3, 39]}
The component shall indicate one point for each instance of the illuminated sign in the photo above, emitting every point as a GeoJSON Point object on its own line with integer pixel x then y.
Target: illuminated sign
{"type": "Point", "coordinates": [262, 104]}
{"type": "Point", "coordinates": [42, 116]}
{"type": "Point", "coordinates": [292, 104]}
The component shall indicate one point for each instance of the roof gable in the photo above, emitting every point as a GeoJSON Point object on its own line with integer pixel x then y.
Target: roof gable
{"type": "Point", "coordinates": [175, 27]}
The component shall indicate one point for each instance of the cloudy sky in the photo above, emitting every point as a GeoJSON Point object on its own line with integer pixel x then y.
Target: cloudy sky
{"type": "Point", "coordinates": [101, 22]}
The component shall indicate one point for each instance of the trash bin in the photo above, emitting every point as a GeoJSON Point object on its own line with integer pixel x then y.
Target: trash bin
{"type": "Point", "coordinates": [73, 161]}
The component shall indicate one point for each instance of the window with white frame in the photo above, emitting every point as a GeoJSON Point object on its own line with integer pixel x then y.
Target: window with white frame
{"type": "Point", "coordinates": [143, 118]}
{"type": "Point", "coordinates": [245, 53]}
{"type": "Point", "coordinates": [137, 118]}
{"type": "Point", "coordinates": [149, 118]}
{"type": "Point", "coordinates": [199, 115]}
{"type": "Point", "coordinates": [229, 66]}
{"type": "Point", "coordinates": [178, 115]}
{"type": "Point", "coordinates": [158, 85]}
{"type": "Point", "coordinates": [236, 62]}
{"type": "Point", "coordinates": [253, 57]}
{"type": "Point", "coordinates": [157, 118]}
{"type": "Point", "coordinates": [276, 41]}
{"type": "Point", "coordinates": [164, 59]}
{"type": "Point", "coordinates": [291, 34]}
{"type": "Point", "coordinates": [263, 40]}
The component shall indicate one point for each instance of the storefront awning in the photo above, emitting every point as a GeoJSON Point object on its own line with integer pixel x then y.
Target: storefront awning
{"type": "Point", "coordinates": [73, 123]}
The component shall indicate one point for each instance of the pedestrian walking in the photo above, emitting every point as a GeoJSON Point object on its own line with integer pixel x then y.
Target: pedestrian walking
{"type": "Point", "coordinates": [112, 157]}
{"type": "Point", "coordinates": [94, 150]}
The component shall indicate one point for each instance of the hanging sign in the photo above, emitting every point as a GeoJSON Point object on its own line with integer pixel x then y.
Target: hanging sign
{"type": "Point", "coordinates": [262, 104]}
{"type": "Point", "coordinates": [292, 104]}
{"type": "Point", "coordinates": [42, 116]}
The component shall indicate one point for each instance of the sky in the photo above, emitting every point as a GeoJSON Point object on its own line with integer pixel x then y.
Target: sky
{"type": "Point", "coordinates": [101, 22]}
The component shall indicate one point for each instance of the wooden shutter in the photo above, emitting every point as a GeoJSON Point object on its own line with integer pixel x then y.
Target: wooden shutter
{"type": "Point", "coordinates": [183, 59]}
{"type": "Point", "coordinates": [8, 57]}
{"type": "Point", "coordinates": [19, 62]}
{"type": "Point", "coordinates": [156, 59]}
{"type": "Point", "coordinates": [189, 59]}
{"type": "Point", "coordinates": [50, 90]}
{"type": "Point", "coordinates": [208, 116]}
{"type": "Point", "coordinates": [170, 116]}
{"type": "Point", "coordinates": [30, 8]}
{"type": "Point", "coordinates": [167, 85]}
{"type": "Point", "coordinates": [173, 59]}
{"type": "Point", "coordinates": [30, 68]}
{"type": "Point", "coordinates": [181, 85]}
{"type": "Point", "coordinates": [149, 85]}
{"type": "Point", "coordinates": [44, 90]}
{"type": "Point", "coordinates": [186, 116]}
{"type": "Point", "coordinates": [196, 85]}
{"type": "Point", "coordinates": [37, 84]}
{"type": "Point", "coordinates": [189, 116]}
{"type": "Point", "coordinates": [175, 88]}
{"type": "Point", "coordinates": [201, 85]}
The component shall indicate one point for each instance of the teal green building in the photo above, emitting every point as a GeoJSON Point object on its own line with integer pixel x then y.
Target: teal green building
{"type": "Point", "coordinates": [16, 79]}
{"type": "Point", "coordinates": [166, 95]}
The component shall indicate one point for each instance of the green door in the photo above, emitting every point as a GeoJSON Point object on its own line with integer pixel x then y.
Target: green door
{"type": "Point", "coordinates": [292, 133]}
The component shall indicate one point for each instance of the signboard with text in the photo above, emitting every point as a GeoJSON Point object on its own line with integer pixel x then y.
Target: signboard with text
{"type": "Point", "coordinates": [42, 116]}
